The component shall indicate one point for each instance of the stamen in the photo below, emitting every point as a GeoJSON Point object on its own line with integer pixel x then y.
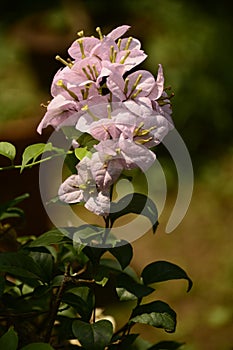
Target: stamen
{"type": "Point", "coordinates": [113, 53]}
{"type": "Point", "coordinates": [71, 93]}
{"type": "Point", "coordinates": [138, 128]}
{"type": "Point", "coordinates": [143, 141]}
{"type": "Point", "coordinates": [109, 111]}
{"type": "Point", "coordinates": [80, 33]}
{"type": "Point", "coordinates": [58, 58]}
{"type": "Point", "coordinates": [82, 186]}
{"type": "Point", "coordinates": [86, 73]}
{"type": "Point", "coordinates": [126, 86]}
{"type": "Point", "coordinates": [136, 83]}
{"type": "Point", "coordinates": [86, 92]}
{"type": "Point", "coordinates": [119, 43]}
{"type": "Point", "coordinates": [70, 61]}
{"type": "Point", "coordinates": [118, 150]}
{"type": "Point", "coordinates": [91, 71]}
{"type": "Point", "coordinates": [44, 105]}
{"type": "Point", "coordinates": [136, 93]}
{"type": "Point", "coordinates": [86, 108]}
{"type": "Point", "coordinates": [128, 43]}
{"type": "Point", "coordinates": [83, 93]}
{"type": "Point", "coordinates": [114, 56]}
{"type": "Point", "coordinates": [80, 42]}
{"type": "Point", "coordinates": [122, 61]}
{"type": "Point", "coordinates": [98, 30]}
{"type": "Point", "coordinates": [95, 71]}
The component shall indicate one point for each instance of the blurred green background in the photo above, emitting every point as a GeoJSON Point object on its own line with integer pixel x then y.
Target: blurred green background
{"type": "Point", "coordinates": [193, 41]}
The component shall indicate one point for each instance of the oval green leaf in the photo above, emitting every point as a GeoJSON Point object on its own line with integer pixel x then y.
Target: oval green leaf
{"type": "Point", "coordinates": [160, 271]}
{"type": "Point", "coordinates": [9, 340]}
{"type": "Point", "coordinates": [95, 336]}
{"type": "Point", "coordinates": [157, 314]}
{"type": "Point", "coordinates": [7, 150]}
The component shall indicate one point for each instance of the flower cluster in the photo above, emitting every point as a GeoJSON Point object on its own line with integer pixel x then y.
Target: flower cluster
{"type": "Point", "coordinates": [127, 111]}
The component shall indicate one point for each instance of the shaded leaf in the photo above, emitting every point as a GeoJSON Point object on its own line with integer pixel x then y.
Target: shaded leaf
{"type": "Point", "coordinates": [95, 336]}
{"type": "Point", "coordinates": [127, 283]}
{"type": "Point", "coordinates": [135, 203]}
{"type": "Point", "coordinates": [8, 209]}
{"type": "Point", "coordinates": [12, 213]}
{"type": "Point", "coordinates": [157, 314]}
{"type": "Point", "coordinates": [9, 340]}
{"type": "Point", "coordinates": [160, 271]}
{"type": "Point", "coordinates": [19, 264]}
{"type": "Point", "coordinates": [81, 300]}
{"type": "Point", "coordinates": [7, 150]}
{"type": "Point", "coordinates": [45, 262]}
{"type": "Point", "coordinates": [166, 345]}
{"type": "Point", "coordinates": [124, 343]}
{"type": "Point", "coordinates": [123, 253]}
{"type": "Point", "coordinates": [55, 236]}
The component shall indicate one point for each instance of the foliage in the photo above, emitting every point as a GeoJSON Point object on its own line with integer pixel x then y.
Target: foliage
{"type": "Point", "coordinates": [51, 281]}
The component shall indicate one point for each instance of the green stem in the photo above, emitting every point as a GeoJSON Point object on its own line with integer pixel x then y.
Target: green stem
{"type": "Point", "coordinates": [34, 163]}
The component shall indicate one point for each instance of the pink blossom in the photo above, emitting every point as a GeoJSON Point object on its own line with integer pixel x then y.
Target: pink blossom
{"type": "Point", "coordinates": [82, 188]}
{"type": "Point", "coordinates": [58, 112]}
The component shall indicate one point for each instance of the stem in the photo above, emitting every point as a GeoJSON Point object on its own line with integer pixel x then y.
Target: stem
{"type": "Point", "coordinates": [107, 223]}
{"type": "Point", "coordinates": [34, 163]}
{"type": "Point", "coordinates": [56, 304]}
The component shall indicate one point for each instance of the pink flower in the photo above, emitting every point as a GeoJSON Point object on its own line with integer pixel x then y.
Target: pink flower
{"type": "Point", "coordinates": [58, 112]}
{"type": "Point", "coordinates": [139, 86]}
{"type": "Point", "coordinates": [82, 188]}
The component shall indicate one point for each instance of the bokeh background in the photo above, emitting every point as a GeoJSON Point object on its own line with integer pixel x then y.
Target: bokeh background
{"type": "Point", "coordinates": [193, 41]}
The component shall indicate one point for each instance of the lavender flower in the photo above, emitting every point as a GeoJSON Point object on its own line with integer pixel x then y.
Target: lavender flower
{"type": "Point", "coordinates": [126, 112]}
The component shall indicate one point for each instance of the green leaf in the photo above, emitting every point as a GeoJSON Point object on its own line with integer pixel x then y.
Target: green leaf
{"type": "Point", "coordinates": [37, 346]}
{"type": "Point", "coordinates": [32, 152]}
{"type": "Point", "coordinates": [12, 213]}
{"type": "Point", "coordinates": [127, 283]}
{"type": "Point", "coordinates": [95, 336]}
{"type": "Point", "coordinates": [166, 345]}
{"type": "Point", "coordinates": [123, 253]}
{"type": "Point", "coordinates": [157, 314]}
{"type": "Point", "coordinates": [7, 150]}
{"type": "Point", "coordinates": [82, 152]}
{"type": "Point", "coordinates": [7, 210]}
{"type": "Point", "coordinates": [135, 203]}
{"type": "Point", "coordinates": [45, 262]}
{"type": "Point", "coordinates": [124, 343]}
{"type": "Point", "coordinates": [86, 140]}
{"type": "Point", "coordinates": [19, 264]}
{"type": "Point", "coordinates": [55, 236]}
{"type": "Point", "coordinates": [9, 340]}
{"type": "Point", "coordinates": [82, 300]}
{"type": "Point", "coordinates": [160, 271]}
{"type": "Point", "coordinates": [88, 234]}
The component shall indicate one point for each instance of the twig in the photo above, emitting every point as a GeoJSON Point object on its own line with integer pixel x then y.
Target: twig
{"type": "Point", "coordinates": [56, 304]}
